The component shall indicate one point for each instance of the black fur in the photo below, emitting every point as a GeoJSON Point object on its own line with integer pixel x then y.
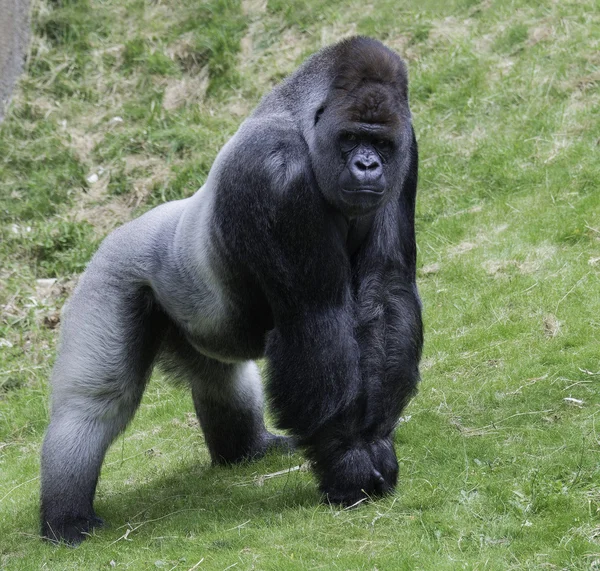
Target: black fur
{"type": "Point", "coordinates": [300, 248]}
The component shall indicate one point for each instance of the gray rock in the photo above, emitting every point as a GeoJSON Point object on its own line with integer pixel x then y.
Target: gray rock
{"type": "Point", "coordinates": [14, 38]}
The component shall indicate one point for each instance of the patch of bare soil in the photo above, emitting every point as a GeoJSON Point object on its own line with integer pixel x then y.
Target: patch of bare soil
{"type": "Point", "coordinates": [551, 325]}
{"type": "Point", "coordinates": [450, 30]}
{"type": "Point", "coordinates": [186, 91]}
{"type": "Point", "coordinates": [461, 248]}
{"type": "Point", "coordinates": [106, 212]}
{"type": "Point", "coordinates": [254, 10]}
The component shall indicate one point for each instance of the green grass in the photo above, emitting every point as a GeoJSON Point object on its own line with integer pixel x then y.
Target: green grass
{"type": "Point", "coordinates": [500, 455]}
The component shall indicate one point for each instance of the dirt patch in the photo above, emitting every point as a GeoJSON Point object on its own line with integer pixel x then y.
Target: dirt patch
{"type": "Point", "coordinates": [82, 142]}
{"type": "Point", "coordinates": [340, 30]}
{"type": "Point", "coordinates": [106, 212]}
{"type": "Point", "coordinates": [103, 217]}
{"type": "Point", "coordinates": [540, 34]}
{"type": "Point", "coordinates": [252, 7]}
{"type": "Point", "coordinates": [551, 325]}
{"type": "Point", "coordinates": [14, 39]}
{"type": "Point", "coordinates": [155, 171]}
{"type": "Point", "coordinates": [450, 30]}
{"type": "Point", "coordinates": [186, 91]}
{"type": "Point", "coordinates": [430, 269]}
{"type": "Point", "coordinates": [461, 248]}
{"type": "Point", "coordinates": [497, 268]}
{"type": "Point", "coordinates": [254, 10]}
{"type": "Point", "coordinates": [184, 52]}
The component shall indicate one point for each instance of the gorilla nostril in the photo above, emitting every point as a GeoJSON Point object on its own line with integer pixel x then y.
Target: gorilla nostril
{"type": "Point", "coordinates": [364, 165]}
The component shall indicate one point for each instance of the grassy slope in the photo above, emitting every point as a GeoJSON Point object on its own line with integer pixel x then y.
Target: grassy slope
{"type": "Point", "coordinates": [499, 469]}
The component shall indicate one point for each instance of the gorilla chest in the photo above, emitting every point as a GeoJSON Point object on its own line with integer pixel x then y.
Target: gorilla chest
{"type": "Point", "coordinates": [236, 331]}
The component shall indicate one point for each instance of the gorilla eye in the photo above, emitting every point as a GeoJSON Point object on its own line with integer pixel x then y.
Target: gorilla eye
{"type": "Point", "coordinates": [348, 142]}
{"type": "Point", "coordinates": [348, 138]}
{"type": "Point", "coordinates": [384, 145]}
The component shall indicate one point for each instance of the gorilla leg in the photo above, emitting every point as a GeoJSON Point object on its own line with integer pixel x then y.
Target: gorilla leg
{"type": "Point", "coordinates": [72, 455]}
{"type": "Point", "coordinates": [229, 403]}
{"type": "Point", "coordinates": [98, 381]}
{"type": "Point", "coordinates": [229, 406]}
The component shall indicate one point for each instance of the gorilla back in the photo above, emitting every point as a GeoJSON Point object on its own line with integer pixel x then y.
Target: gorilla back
{"type": "Point", "coordinates": [300, 248]}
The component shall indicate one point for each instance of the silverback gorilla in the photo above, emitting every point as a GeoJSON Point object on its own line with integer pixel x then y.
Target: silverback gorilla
{"type": "Point", "coordinates": [300, 248]}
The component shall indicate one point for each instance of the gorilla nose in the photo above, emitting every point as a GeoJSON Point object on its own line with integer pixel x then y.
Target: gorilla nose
{"type": "Point", "coordinates": [366, 169]}
{"type": "Point", "coordinates": [366, 163]}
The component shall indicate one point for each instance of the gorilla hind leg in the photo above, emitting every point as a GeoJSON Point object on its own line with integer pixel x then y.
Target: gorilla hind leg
{"type": "Point", "coordinates": [98, 380]}
{"type": "Point", "coordinates": [71, 458]}
{"type": "Point", "coordinates": [229, 404]}
{"type": "Point", "coordinates": [229, 407]}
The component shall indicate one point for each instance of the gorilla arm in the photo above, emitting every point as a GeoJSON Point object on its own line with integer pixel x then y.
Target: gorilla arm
{"type": "Point", "coordinates": [314, 382]}
{"type": "Point", "coordinates": [389, 326]}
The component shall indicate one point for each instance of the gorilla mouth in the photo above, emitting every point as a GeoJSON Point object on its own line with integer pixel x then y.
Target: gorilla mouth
{"type": "Point", "coordinates": [364, 191]}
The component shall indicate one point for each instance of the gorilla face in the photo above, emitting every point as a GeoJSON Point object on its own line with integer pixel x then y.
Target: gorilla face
{"type": "Point", "coordinates": [361, 143]}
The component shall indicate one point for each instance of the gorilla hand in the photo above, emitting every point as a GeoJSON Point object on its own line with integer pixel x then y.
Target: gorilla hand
{"type": "Point", "coordinates": [363, 472]}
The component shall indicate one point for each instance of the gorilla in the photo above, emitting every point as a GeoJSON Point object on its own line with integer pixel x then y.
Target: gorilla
{"type": "Point", "coordinates": [300, 248]}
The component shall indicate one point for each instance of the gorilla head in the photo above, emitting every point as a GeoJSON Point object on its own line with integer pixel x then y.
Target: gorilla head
{"type": "Point", "coordinates": [299, 248]}
{"type": "Point", "coordinates": [362, 129]}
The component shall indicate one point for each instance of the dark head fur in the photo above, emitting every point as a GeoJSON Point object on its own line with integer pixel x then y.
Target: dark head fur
{"type": "Point", "coordinates": [370, 82]}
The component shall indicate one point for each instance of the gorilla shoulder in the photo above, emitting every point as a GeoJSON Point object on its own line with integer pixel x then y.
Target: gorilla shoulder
{"type": "Point", "coordinates": [269, 149]}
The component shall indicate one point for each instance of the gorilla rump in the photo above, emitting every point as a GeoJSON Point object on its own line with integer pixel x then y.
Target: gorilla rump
{"type": "Point", "coordinates": [300, 248]}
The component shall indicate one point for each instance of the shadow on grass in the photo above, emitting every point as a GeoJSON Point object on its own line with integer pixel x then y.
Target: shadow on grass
{"type": "Point", "coordinates": [200, 499]}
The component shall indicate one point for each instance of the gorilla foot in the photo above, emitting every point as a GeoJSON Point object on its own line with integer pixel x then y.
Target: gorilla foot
{"type": "Point", "coordinates": [70, 530]}
{"type": "Point", "coordinates": [282, 444]}
{"type": "Point", "coordinates": [230, 454]}
{"type": "Point", "coordinates": [273, 443]}
{"type": "Point", "coordinates": [354, 477]}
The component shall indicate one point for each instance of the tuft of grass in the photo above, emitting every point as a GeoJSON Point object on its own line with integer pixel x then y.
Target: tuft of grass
{"type": "Point", "coordinates": [125, 104]}
{"type": "Point", "coordinates": [512, 38]}
{"type": "Point", "coordinates": [38, 174]}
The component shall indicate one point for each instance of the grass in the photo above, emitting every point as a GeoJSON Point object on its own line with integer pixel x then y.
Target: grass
{"type": "Point", "coordinates": [125, 104]}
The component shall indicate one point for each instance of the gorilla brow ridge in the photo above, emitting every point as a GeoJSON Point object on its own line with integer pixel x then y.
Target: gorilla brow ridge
{"type": "Point", "coordinates": [369, 106]}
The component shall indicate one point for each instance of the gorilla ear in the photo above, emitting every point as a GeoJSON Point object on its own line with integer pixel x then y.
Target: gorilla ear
{"type": "Point", "coordinates": [318, 114]}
